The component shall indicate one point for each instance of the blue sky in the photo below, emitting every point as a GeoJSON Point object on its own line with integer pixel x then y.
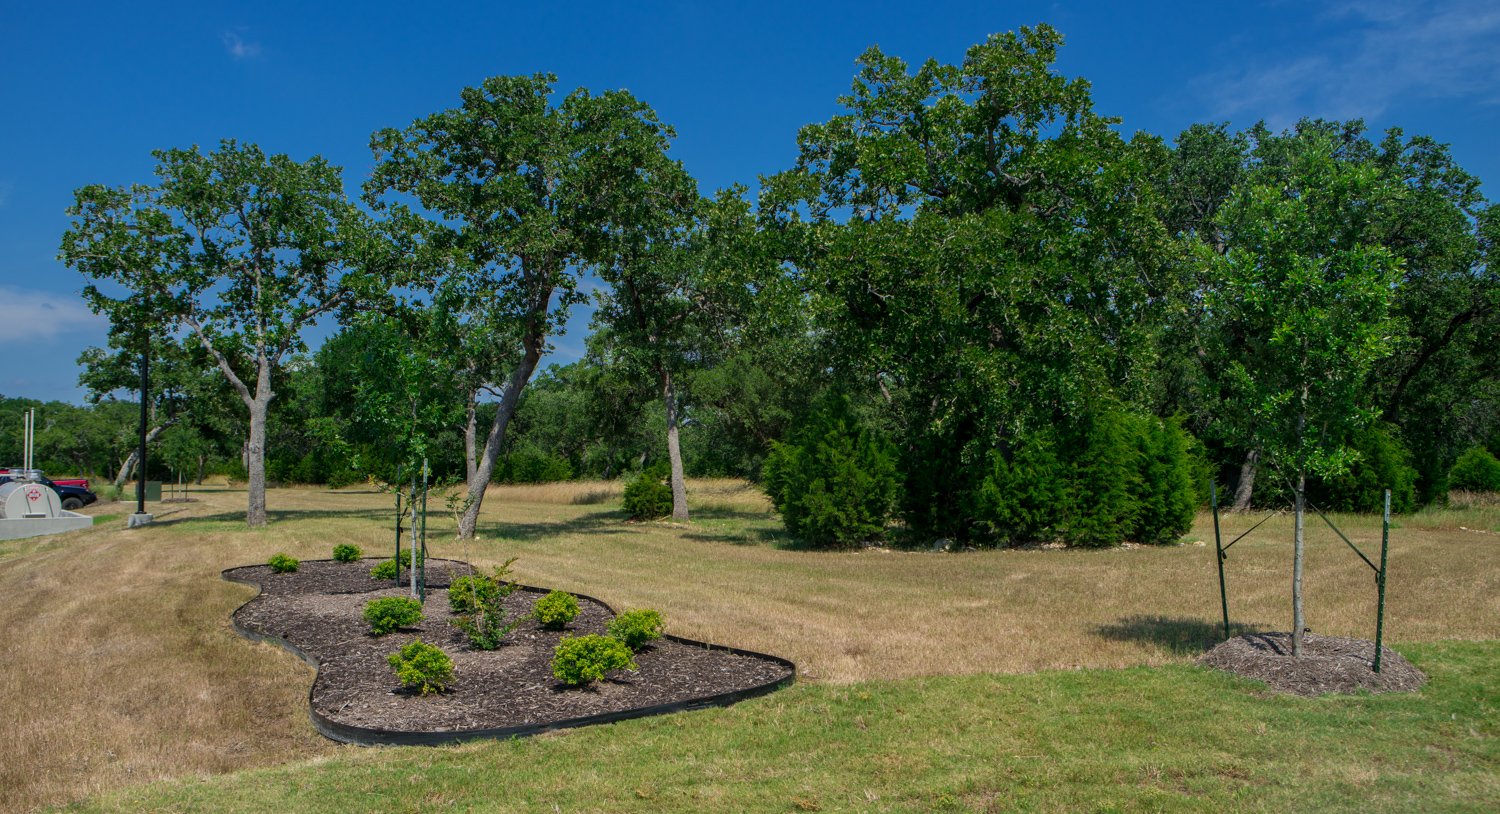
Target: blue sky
{"type": "Point", "coordinates": [90, 89]}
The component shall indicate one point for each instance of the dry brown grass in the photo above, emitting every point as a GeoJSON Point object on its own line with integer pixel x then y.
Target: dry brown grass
{"type": "Point", "coordinates": [120, 665]}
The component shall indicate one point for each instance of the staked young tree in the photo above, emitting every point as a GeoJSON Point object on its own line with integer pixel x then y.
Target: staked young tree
{"type": "Point", "coordinates": [524, 196]}
{"type": "Point", "coordinates": [242, 249]}
{"type": "Point", "coordinates": [1302, 315]}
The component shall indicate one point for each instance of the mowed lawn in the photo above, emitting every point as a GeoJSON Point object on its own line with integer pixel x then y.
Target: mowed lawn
{"type": "Point", "coordinates": [120, 669]}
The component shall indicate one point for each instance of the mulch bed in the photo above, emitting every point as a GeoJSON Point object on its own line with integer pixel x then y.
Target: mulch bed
{"type": "Point", "coordinates": [1329, 664]}
{"type": "Point", "coordinates": [318, 610]}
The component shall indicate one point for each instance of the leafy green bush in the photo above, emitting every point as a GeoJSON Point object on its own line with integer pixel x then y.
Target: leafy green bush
{"type": "Point", "coordinates": [1475, 471]}
{"type": "Point", "coordinates": [387, 568]}
{"type": "Point", "coordinates": [835, 482]}
{"type": "Point", "coordinates": [1384, 463]}
{"type": "Point", "coordinates": [1021, 500]}
{"type": "Point", "coordinates": [528, 463]}
{"type": "Point", "coordinates": [635, 628]}
{"type": "Point", "coordinates": [390, 613]}
{"type": "Point", "coordinates": [468, 594]}
{"type": "Point", "coordinates": [577, 661]}
{"type": "Point", "coordinates": [556, 610]}
{"type": "Point", "coordinates": [422, 667]}
{"type": "Point", "coordinates": [282, 564]}
{"type": "Point", "coordinates": [346, 552]}
{"type": "Point", "coordinates": [647, 497]}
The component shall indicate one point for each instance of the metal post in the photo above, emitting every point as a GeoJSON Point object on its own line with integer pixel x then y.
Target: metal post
{"type": "Point", "coordinates": [1385, 544]}
{"type": "Point", "coordinates": [1213, 490]}
{"type": "Point", "coordinates": [140, 481]}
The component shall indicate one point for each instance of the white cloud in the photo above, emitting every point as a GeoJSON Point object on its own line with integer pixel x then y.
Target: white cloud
{"type": "Point", "coordinates": [1386, 52]}
{"type": "Point", "coordinates": [238, 47]}
{"type": "Point", "coordinates": [40, 315]}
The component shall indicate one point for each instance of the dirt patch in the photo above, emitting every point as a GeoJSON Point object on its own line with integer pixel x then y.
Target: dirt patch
{"type": "Point", "coordinates": [1329, 664]}
{"type": "Point", "coordinates": [318, 610]}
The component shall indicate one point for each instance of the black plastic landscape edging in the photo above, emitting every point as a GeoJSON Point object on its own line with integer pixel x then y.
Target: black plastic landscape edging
{"type": "Point", "coordinates": [364, 736]}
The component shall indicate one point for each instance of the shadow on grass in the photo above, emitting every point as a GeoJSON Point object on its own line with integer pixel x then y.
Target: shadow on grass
{"type": "Point", "coordinates": [609, 521]}
{"type": "Point", "coordinates": [274, 516]}
{"type": "Point", "coordinates": [1178, 635]}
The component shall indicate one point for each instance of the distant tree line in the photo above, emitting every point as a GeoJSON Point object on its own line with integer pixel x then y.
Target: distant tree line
{"type": "Point", "coordinates": [971, 311]}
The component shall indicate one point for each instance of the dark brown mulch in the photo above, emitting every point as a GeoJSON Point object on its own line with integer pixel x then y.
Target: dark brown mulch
{"type": "Point", "coordinates": [1329, 664]}
{"type": "Point", "coordinates": [318, 609]}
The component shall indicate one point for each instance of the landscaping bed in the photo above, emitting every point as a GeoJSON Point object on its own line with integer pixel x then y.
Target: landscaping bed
{"type": "Point", "coordinates": [1329, 664]}
{"type": "Point", "coordinates": [316, 612]}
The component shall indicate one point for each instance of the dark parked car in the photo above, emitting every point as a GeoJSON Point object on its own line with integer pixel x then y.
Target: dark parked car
{"type": "Point", "coordinates": [72, 495]}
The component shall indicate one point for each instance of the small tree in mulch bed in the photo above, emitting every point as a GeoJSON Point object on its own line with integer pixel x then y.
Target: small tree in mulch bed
{"type": "Point", "coordinates": [479, 603]}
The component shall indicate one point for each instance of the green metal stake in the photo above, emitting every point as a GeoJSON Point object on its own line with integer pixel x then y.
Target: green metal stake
{"type": "Point", "coordinates": [1213, 491]}
{"type": "Point", "coordinates": [1385, 544]}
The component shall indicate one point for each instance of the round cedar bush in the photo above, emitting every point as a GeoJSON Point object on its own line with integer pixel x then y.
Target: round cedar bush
{"type": "Point", "coordinates": [391, 613]}
{"type": "Point", "coordinates": [346, 552]}
{"type": "Point", "coordinates": [422, 667]}
{"type": "Point", "coordinates": [555, 610]}
{"type": "Point", "coordinates": [282, 564]}
{"type": "Point", "coordinates": [635, 628]}
{"type": "Point", "coordinates": [577, 661]}
{"type": "Point", "coordinates": [1476, 471]}
{"type": "Point", "coordinates": [647, 497]}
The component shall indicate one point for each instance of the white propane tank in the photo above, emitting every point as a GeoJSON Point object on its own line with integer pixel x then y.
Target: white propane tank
{"type": "Point", "coordinates": [20, 499]}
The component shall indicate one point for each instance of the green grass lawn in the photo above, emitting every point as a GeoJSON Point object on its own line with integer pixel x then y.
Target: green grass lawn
{"type": "Point", "coordinates": [1174, 738]}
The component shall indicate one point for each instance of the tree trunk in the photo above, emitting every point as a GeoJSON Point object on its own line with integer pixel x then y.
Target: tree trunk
{"type": "Point", "coordinates": [1244, 489]}
{"type": "Point", "coordinates": [507, 407]}
{"type": "Point", "coordinates": [255, 463]}
{"type": "Point", "coordinates": [471, 430]}
{"type": "Point", "coordinates": [1297, 620]}
{"type": "Point", "coordinates": [135, 455]}
{"type": "Point", "coordinates": [674, 449]}
{"type": "Point", "coordinates": [202, 462]}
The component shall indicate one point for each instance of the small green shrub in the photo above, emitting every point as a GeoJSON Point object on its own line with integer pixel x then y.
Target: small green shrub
{"type": "Point", "coordinates": [636, 628]}
{"type": "Point", "coordinates": [577, 661]}
{"type": "Point", "coordinates": [1476, 471]}
{"type": "Point", "coordinates": [422, 667]}
{"type": "Point", "coordinates": [555, 610]}
{"type": "Point", "coordinates": [469, 594]}
{"type": "Point", "coordinates": [390, 613]}
{"type": "Point", "coordinates": [486, 627]}
{"type": "Point", "coordinates": [647, 497]}
{"type": "Point", "coordinates": [282, 564]}
{"type": "Point", "coordinates": [385, 569]}
{"type": "Point", "coordinates": [346, 552]}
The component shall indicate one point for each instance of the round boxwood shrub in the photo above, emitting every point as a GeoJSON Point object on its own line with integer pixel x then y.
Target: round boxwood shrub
{"type": "Point", "coordinates": [555, 610]}
{"type": "Point", "coordinates": [1476, 471]}
{"type": "Point", "coordinates": [282, 564]}
{"type": "Point", "coordinates": [346, 552]}
{"type": "Point", "coordinates": [390, 613]}
{"type": "Point", "coordinates": [577, 661]}
{"type": "Point", "coordinates": [636, 628]}
{"type": "Point", "coordinates": [470, 593]}
{"type": "Point", "coordinates": [648, 497]}
{"type": "Point", "coordinates": [385, 569]}
{"type": "Point", "coordinates": [422, 667]}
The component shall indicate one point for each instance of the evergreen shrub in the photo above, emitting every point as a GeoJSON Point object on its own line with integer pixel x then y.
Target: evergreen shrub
{"type": "Point", "coordinates": [385, 569]}
{"type": "Point", "coordinates": [647, 496]}
{"type": "Point", "coordinates": [1475, 471]}
{"type": "Point", "coordinates": [555, 610]}
{"type": "Point", "coordinates": [835, 482]}
{"type": "Point", "coordinates": [346, 552]}
{"type": "Point", "coordinates": [636, 628]}
{"type": "Point", "coordinates": [391, 613]}
{"type": "Point", "coordinates": [467, 594]}
{"type": "Point", "coordinates": [422, 667]}
{"type": "Point", "coordinates": [583, 659]}
{"type": "Point", "coordinates": [282, 564]}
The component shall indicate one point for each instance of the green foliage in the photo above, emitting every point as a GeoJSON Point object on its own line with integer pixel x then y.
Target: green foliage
{"type": "Point", "coordinates": [1383, 462]}
{"type": "Point", "coordinates": [469, 593]}
{"type": "Point", "coordinates": [647, 496]}
{"type": "Point", "coordinates": [528, 463]}
{"type": "Point", "coordinates": [388, 614]}
{"type": "Point", "coordinates": [1022, 501]}
{"type": "Point", "coordinates": [580, 660]}
{"type": "Point", "coordinates": [636, 628]}
{"type": "Point", "coordinates": [385, 569]}
{"type": "Point", "coordinates": [346, 552]}
{"type": "Point", "coordinates": [282, 564]}
{"type": "Point", "coordinates": [1476, 471]}
{"type": "Point", "coordinates": [555, 610]}
{"type": "Point", "coordinates": [835, 482]}
{"type": "Point", "coordinates": [422, 667]}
